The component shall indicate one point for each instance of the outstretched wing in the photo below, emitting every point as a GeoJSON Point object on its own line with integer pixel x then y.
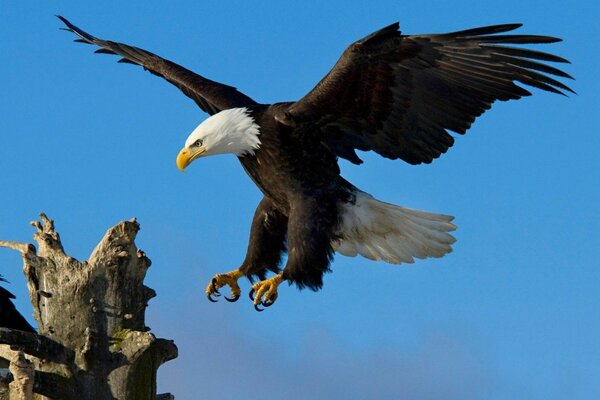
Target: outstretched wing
{"type": "Point", "coordinates": [210, 96]}
{"type": "Point", "coordinates": [399, 95]}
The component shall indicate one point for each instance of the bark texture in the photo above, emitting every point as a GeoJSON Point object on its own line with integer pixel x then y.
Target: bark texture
{"type": "Point", "coordinates": [92, 342]}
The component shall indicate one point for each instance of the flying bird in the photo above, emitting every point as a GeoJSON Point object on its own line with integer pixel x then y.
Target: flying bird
{"type": "Point", "coordinates": [9, 315]}
{"type": "Point", "coordinates": [397, 95]}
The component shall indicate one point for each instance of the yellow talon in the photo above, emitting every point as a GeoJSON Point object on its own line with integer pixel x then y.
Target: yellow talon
{"type": "Point", "coordinates": [230, 279]}
{"type": "Point", "coordinates": [265, 292]}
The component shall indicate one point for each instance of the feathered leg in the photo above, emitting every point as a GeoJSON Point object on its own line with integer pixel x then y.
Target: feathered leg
{"type": "Point", "coordinates": [265, 248]}
{"type": "Point", "coordinates": [311, 230]}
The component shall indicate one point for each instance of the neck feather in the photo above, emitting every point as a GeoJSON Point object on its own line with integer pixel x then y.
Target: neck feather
{"type": "Point", "coordinates": [242, 129]}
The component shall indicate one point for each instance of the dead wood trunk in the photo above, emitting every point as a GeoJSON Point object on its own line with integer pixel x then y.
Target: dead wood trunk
{"type": "Point", "coordinates": [92, 342]}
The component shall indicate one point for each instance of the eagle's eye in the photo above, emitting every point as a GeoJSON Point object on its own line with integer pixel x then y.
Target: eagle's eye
{"type": "Point", "coordinates": [197, 143]}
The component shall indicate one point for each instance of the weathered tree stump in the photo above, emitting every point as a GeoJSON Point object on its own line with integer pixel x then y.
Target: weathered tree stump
{"type": "Point", "coordinates": [92, 342]}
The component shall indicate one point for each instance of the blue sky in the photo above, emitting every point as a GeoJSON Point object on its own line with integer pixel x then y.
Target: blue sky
{"type": "Point", "coordinates": [513, 312]}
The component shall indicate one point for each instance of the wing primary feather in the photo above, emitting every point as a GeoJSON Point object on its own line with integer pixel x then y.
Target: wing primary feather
{"type": "Point", "coordinates": [525, 53]}
{"type": "Point", "coordinates": [484, 72]}
{"type": "Point", "coordinates": [126, 61]}
{"type": "Point", "coordinates": [76, 30]}
{"type": "Point", "coordinates": [532, 65]}
{"type": "Point", "coordinates": [485, 30]}
{"type": "Point", "coordinates": [517, 39]}
{"type": "Point", "coordinates": [540, 85]}
{"type": "Point", "coordinates": [544, 79]}
{"type": "Point", "coordinates": [471, 79]}
{"type": "Point", "coordinates": [104, 51]}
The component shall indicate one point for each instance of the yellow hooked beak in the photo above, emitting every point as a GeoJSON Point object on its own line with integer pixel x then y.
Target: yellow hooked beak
{"type": "Point", "coordinates": [186, 156]}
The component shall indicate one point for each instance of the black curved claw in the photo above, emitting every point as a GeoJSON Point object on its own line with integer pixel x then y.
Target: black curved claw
{"type": "Point", "coordinates": [270, 301]}
{"type": "Point", "coordinates": [251, 294]}
{"type": "Point", "coordinates": [233, 299]}
{"type": "Point", "coordinates": [213, 285]}
{"type": "Point", "coordinates": [209, 297]}
{"type": "Point", "coordinates": [258, 309]}
{"type": "Point", "coordinates": [267, 303]}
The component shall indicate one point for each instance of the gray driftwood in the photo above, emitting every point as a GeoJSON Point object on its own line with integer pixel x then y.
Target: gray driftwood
{"type": "Point", "coordinates": [92, 342]}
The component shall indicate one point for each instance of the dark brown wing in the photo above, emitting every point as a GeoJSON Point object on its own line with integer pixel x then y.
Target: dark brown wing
{"type": "Point", "coordinates": [210, 96]}
{"type": "Point", "coordinates": [399, 95]}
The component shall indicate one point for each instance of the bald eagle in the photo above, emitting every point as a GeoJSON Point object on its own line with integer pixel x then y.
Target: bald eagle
{"type": "Point", "coordinates": [397, 95]}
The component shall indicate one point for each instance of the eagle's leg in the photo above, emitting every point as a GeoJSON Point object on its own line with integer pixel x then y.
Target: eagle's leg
{"type": "Point", "coordinates": [267, 241]}
{"type": "Point", "coordinates": [265, 292]}
{"type": "Point", "coordinates": [266, 245]}
{"type": "Point", "coordinates": [230, 279]}
{"type": "Point", "coordinates": [311, 230]}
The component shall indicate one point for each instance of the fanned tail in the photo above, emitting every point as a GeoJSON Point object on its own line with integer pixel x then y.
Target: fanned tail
{"type": "Point", "coordinates": [382, 231]}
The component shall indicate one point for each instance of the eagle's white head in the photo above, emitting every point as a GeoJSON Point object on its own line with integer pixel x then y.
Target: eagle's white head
{"type": "Point", "coordinates": [229, 131]}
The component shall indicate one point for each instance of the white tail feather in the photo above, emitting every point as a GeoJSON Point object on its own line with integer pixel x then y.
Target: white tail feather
{"type": "Point", "coordinates": [383, 231]}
